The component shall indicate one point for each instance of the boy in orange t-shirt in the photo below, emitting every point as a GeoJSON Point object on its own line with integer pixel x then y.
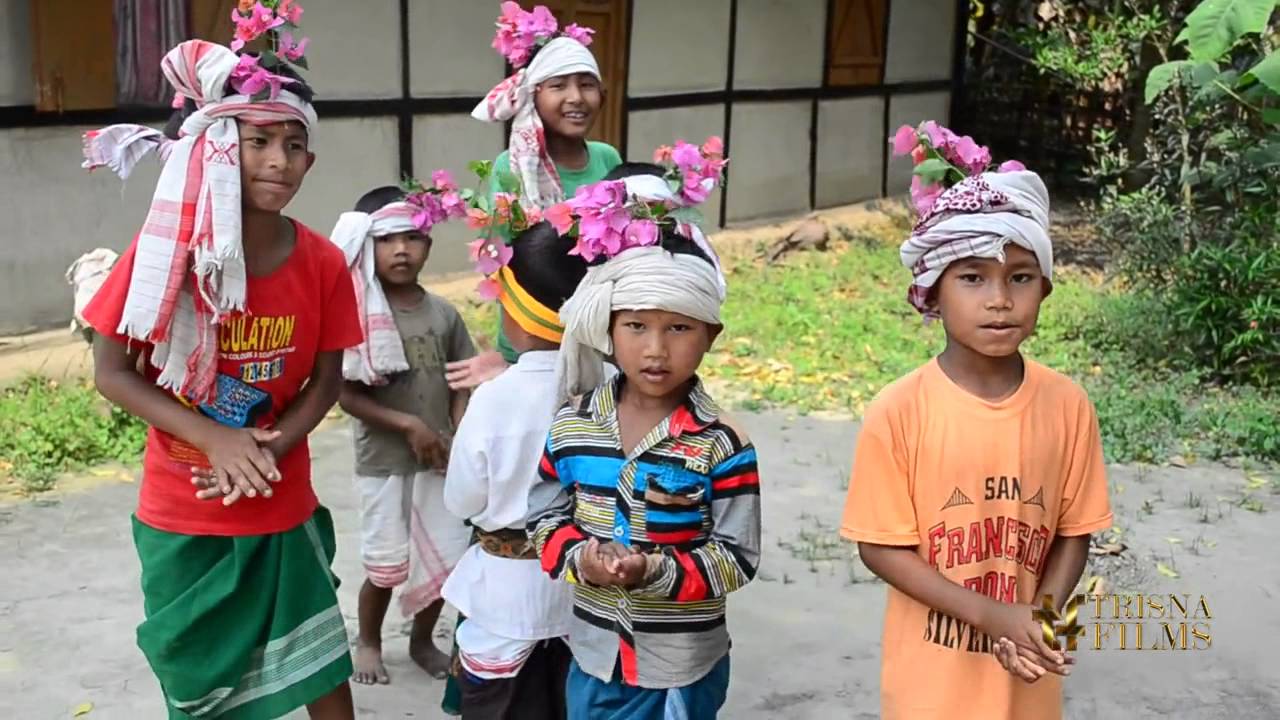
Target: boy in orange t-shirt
{"type": "Point", "coordinates": [979, 476]}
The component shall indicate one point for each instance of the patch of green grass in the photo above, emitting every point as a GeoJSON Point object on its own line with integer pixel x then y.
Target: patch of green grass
{"type": "Point", "coordinates": [826, 331]}
{"type": "Point", "coordinates": [48, 427]}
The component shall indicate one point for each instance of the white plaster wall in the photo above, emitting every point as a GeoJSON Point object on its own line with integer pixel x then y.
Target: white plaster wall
{"type": "Point", "coordinates": [850, 150]}
{"type": "Point", "coordinates": [779, 43]}
{"type": "Point", "coordinates": [649, 129]}
{"type": "Point", "coordinates": [17, 86]}
{"type": "Point", "coordinates": [451, 142]}
{"type": "Point", "coordinates": [769, 160]}
{"type": "Point", "coordinates": [912, 110]}
{"type": "Point", "coordinates": [353, 156]}
{"type": "Point", "coordinates": [449, 51]}
{"type": "Point", "coordinates": [921, 36]}
{"type": "Point", "coordinates": [56, 211]}
{"type": "Point", "coordinates": [355, 48]}
{"type": "Point", "coordinates": [678, 46]}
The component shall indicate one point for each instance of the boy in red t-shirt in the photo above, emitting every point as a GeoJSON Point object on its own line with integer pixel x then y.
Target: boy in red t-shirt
{"type": "Point", "coordinates": [241, 347]}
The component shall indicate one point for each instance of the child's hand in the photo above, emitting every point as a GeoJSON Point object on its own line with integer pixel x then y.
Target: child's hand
{"type": "Point", "coordinates": [627, 566]}
{"type": "Point", "coordinates": [205, 479]}
{"type": "Point", "coordinates": [427, 445]}
{"type": "Point", "coordinates": [1016, 624]}
{"type": "Point", "coordinates": [593, 564]}
{"type": "Point", "coordinates": [1021, 663]}
{"type": "Point", "coordinates": [466, 374]}
{"type": "Point", "coordinates": [239, 461]}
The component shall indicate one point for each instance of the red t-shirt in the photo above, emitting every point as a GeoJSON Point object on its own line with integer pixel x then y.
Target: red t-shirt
{"type": "Point", "coordinates": [306, 306]}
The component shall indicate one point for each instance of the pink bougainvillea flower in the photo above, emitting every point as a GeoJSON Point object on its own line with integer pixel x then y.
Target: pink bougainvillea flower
{"type": "Point", "coordinates": [939, 137]}
{"type": "Point", "coordinates": [662, 155]}
{"type": "Point", "coordinates": [581, 34]}
{"type": "Point", "coordinates": [249, 78]}
{"type": "Point", "coordinates": [918, 154]}
{"type": "Point", "coordinates": [538, 23]}
{"type": "Point", "coordinates": [249, 27]}
{"type": "Point", "coordinates": [290, 10]}
{"type": "Point", "coordinates": [453, 204]}
{"type": "Point", "coordinates": [640, 233]}
{"type": "Point", "coordinates": [971, 156]}
{"type": "Point", "coordinates": [477, 219]}
{"type": "Point", "coordinates": [686, 157]}
{"type": "Point", "coordinates": [560, 216]}
{"type": "Point", "coordinates": [488, 289]}
{"type": "Point", "coordinates": [713, 147]}
{"type": "Point", "coordinates": [1011, 166]}
{"type": "Point", "coordinates": [442, 180]}
{"type": "Point", "coordinates": [430, 210]}
{"type": "Point", "coordinates": [489, 255]}
{"type": "Point", "coordinates": [905, 140]}
{"type": "Point", "coordinates": [697, 188]}
{"type": "Point", "coordinates": [532, 216]}
{"type": "Point", "coordinates": [924, 196]}
{"type": "Point", "coordinates": [289, 49]}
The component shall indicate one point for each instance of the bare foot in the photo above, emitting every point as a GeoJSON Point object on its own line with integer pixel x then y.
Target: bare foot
{"type": "Point", "coordinates": [429, 658]}
{"type": "Point", "coordinates": [369, 667]}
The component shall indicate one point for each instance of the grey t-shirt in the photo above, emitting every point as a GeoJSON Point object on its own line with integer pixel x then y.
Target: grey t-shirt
{"type": "Point", "coordinates": [433, 334]}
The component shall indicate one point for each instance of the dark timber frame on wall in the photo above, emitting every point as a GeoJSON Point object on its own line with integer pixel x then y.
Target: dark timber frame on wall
{"type": "Point", "coordinates": [406, 107]}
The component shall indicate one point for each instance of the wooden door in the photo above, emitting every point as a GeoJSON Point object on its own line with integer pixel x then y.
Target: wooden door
{"type": "Point", "coordinates": [211, 20]}
{"type": "Point", "coordinates": [73, 44]}
{"type": "Point", "coordinates": [857, 34]}
{"type": "Point", "coordinates": [610, 45]}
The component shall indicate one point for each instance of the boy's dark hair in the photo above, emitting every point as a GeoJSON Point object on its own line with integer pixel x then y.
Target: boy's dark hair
{"type": "Point", "coordinates": [541, 263]}
{"type": "Point", "coordinates": [298, 87]}
{"type": "Point", "coordinates": [378, 198]}
{"type": "Point", "coordinates": [631, 169]}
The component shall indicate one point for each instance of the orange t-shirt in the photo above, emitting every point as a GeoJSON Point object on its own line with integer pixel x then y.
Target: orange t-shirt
{"type": "Point", "coordinates": [980, 489]}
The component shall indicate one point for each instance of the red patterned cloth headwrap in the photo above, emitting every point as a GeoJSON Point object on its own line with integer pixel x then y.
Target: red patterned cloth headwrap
{"type": "Point", "coordinates": [188, 271]}
{"type": "Point", "coordinates": [513, 99]}
{"type": "Point", "coordinates": [977, 217]}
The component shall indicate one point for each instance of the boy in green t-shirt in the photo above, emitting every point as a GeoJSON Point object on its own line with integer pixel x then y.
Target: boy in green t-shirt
{"type": "Point", "coordinates": [552, 102]}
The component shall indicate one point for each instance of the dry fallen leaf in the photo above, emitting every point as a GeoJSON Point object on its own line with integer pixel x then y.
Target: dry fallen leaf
{"type": "Point", "coordinates": [1108, 549]}
{"type": "Point", "coordinates": [1165, 570]}
{"type": "Point", "coordinates": [82, 709]}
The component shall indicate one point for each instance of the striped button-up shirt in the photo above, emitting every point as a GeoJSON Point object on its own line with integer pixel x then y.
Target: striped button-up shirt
{"type": "Point", "coordinates": [688, 493]}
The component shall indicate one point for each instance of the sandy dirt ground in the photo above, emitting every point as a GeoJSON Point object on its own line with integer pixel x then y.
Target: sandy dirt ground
{"type": "Point", "coordinates": [806, 632]}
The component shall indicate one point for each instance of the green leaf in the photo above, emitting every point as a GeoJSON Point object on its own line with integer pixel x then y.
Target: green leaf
{"type": "Point", "coordinates": [268, 59]}
{"type": "Point", "coordinates": [1271, 116]}
{"type": "Point", "coordinates": [1267, 72]}
{"type": "Point", "coordinates": [482, 168]}
{"type": "Point", "coordinates": [690, 215]}
{"type": "Point", "coordinates": [508, 182]}
{"type": "Point", "coordinates": [932, 170]}
{"type": "Point", "coordinates": [1215, 25]}
{"type": "Point", "coordinates": [1162, 76]}
{"type": "Point", "coordinates": [302, 63]}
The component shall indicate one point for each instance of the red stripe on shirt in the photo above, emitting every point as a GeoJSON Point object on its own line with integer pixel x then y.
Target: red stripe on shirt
{"type": "Point", "coordinates": [627, 654]}
{"type": "Point", "coordinates": [557, 545]}
{"type": "Point", "coordinates": [736, 481]}
{"type": "Point", "coordinates": [693, 586]}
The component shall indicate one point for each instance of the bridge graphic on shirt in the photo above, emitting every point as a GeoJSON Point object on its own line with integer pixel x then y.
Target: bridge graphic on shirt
{"type": "Point", "coordinates": [996, 488]}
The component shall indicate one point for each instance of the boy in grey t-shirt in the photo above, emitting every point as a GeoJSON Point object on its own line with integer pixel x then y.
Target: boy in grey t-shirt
{"type": "Point", "coordinates": [402, 431]}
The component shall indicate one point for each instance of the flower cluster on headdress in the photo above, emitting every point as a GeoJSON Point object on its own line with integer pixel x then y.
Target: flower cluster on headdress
{"type": "Point", "coordinates": [606, 220]}
{"type": "Point", "coordinates": [522, 31]}
{"type": "Point", "coordinates": [941, 160]}
{"type": "Point", "coordinates": [436, 203]}
{"type": "Point", "coordinates": [495, 219]}
{"type": "Point", "coordinates": [277, 19]}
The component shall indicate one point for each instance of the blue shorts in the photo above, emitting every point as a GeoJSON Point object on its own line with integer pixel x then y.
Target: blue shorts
{"type": "Point", "coordinates": [590, 698]}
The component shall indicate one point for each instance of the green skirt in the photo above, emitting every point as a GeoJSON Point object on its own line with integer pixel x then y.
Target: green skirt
{"type": "Point", "coordinates": [242, 627]}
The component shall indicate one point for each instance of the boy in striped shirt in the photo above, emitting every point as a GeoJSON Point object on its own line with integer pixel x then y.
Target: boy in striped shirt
{"type": "Point", "coordinates": [657, 517]}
